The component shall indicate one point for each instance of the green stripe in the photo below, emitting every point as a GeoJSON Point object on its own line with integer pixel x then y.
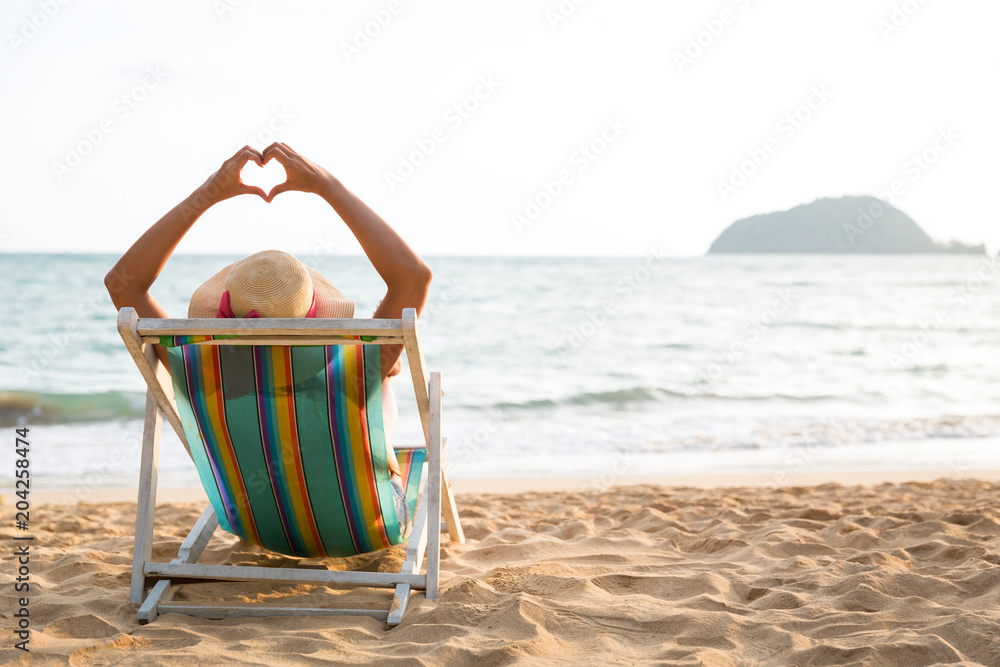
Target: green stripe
{"type": "Point", "coordinates": [269, 428]}
{"type": "Point", "coordinates": [312, 412]}
{"type": "Point", "coordinates": [342, 417]}
{"type": "Point", "coordinates": [195, 442]}
{"type": "Point", "coordinates": [376, 438]}
{"type": "Point", "coordinates": [413, 481]}
{"type": "Point", "coordinates": [197, 360]}
{"type": "Point", "coordinates": [240, 390]}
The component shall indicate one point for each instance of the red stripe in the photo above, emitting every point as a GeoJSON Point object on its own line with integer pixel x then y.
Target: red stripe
{"type": "Point", "coordinates": [244, 500]}
{"type": "Point", "coordinates": [363, 414]}
{"type": "Point", "coordinates": [299, 470]}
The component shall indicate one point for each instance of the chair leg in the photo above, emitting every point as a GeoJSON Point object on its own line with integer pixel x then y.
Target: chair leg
{"type": "Point", "coordinates": [434, 488]}
{"type": "Point", "coordinates": [448, 506]}
{"type": "Point", "coordinates": [142, 549]}
{"type": "Point", "coordinates": [191, 549]}
{"type": "Point", "coordinates": [450, 509]}
{"type": "Point", "coordinates": [416, 547]}
{"type": "Point", "coordinates": [161, 592]}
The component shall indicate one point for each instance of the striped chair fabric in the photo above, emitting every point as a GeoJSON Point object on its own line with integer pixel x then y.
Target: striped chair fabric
{"type": "Point", "coordinates": [289, 444]}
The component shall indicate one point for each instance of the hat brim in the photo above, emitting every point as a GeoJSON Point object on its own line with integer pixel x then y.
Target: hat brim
{"type": "Point", "coordinates": [330, 301]}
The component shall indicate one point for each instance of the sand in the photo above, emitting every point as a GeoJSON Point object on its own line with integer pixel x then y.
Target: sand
{"type": "Point", "coordinates": [829, 574]}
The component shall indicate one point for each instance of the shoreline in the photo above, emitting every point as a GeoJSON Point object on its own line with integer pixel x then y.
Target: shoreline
{"type": "Point", "coordinates": [68, 494]}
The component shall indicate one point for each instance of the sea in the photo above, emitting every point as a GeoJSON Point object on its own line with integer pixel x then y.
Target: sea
{"type": "Point", "coordinates": [598, 368]}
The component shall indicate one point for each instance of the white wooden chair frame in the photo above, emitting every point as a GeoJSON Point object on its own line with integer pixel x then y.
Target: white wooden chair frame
{"type": "Point", "coordinates": [163, 580]}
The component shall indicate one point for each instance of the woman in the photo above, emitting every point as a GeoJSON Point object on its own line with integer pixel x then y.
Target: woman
{"type": "Point", "coordinates": [406, 275]}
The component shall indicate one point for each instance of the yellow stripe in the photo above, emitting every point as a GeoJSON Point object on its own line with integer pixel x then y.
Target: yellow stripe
{"type": "Point", "coordinates": [357, 445]}
{"type": "Point", "coordinates": [289, 446]}
{"type": "Point", "coordinates": [213, 397]}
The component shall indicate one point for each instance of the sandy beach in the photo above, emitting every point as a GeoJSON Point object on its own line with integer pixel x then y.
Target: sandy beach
{"type": "Point", "coordinates": [896, 573]}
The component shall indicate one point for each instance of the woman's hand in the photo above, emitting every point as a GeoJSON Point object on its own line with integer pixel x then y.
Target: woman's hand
{"type": "Point", "coordinates": [302, 175]}
{"type": "Point", "coordinates": [226, 183]}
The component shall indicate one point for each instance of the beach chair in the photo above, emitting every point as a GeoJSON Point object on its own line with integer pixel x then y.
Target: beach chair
{"type": "Point", "coordinates": [283, 420]}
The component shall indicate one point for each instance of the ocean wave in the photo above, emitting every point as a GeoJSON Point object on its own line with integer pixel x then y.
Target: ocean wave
{"type": "Point", "coordinates": [639, 395]}
{"type": "Point", "coordinates": [18, 408]}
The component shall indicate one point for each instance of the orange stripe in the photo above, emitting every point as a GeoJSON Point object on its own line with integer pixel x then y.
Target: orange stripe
{"type": "Point", "coordinates": [360, 449]}
{"type": "Point", "coordinates": [293, 442]}
{"type": "Point", "coordinates": [242, 503]}
{"type": "Point", "coordinates": [369, 468]}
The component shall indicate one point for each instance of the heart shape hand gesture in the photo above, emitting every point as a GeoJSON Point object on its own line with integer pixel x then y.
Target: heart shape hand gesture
{"type": "Point", "coordinates": [264, 176]}
{"type": "Point", "coordinates": [300, 174]}
{"type": "Point", "coordinates": [278, 169]}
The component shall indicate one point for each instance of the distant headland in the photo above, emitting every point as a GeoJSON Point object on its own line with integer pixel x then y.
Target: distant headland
{"type": "Point", "coordinates": [863, 225]}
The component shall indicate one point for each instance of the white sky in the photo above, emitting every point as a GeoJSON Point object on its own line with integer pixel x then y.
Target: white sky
{"type": "Point", "coordinates": [656, 184]}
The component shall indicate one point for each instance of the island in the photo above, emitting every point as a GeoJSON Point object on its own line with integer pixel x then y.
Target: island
{"type": "Point", "coordinates": [863, 225]}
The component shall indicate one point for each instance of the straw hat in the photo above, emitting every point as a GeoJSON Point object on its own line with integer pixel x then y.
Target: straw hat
{"type": "Point", "coordinates": [274, 284]}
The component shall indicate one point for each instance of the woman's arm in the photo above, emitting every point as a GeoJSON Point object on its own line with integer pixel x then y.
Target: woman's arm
{"type": "Point", "coordinates": [407, 277]}
{"type": "Point", "coordinates": [129, 280]}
